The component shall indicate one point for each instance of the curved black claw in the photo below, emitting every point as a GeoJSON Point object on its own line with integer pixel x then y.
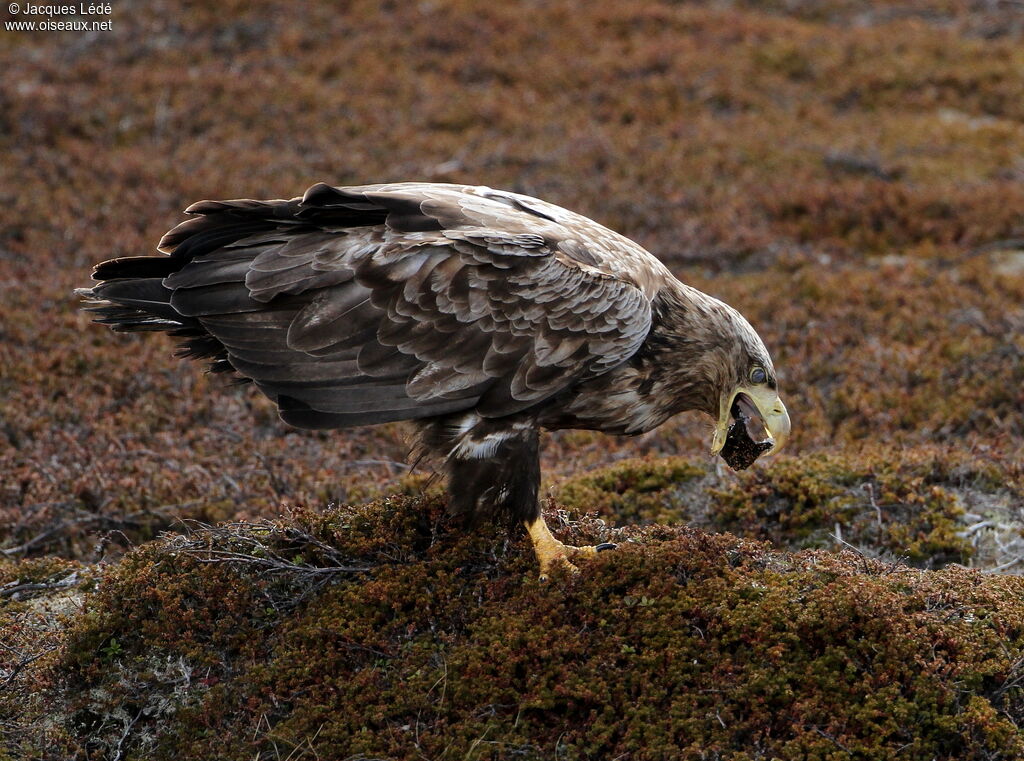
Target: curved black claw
{"type": "Point", "coordinates": [605, 546]}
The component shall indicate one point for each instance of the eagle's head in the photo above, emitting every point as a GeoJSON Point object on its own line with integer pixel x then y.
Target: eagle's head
{"type": "Point", "coordinates": [709, 358]}
{"type": "Point", "coordinates": [751, 418]}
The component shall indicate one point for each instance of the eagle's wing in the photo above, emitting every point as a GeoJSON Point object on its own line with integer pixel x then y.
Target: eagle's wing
{"type": "Point", "coordinates": [363, 305]}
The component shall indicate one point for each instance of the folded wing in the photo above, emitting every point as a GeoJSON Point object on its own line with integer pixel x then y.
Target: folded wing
{"type": "Point", "coordinates": [362, 305]}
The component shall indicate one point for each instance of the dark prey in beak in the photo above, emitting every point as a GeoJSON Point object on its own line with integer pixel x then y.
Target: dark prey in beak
{"type": "Point", "coordinates": [748, 436]}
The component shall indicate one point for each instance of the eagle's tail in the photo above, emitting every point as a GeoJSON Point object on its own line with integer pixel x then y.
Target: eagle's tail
{"type": "Point", "coordinates": [131, 297]}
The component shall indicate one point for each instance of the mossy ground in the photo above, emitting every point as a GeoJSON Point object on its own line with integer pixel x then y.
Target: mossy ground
{"type": "Point", "coordinates": [847, 174]}
{"type": "Point", "coordinates": [928, 506]}
{"type": "Point", "coordinates": [427, 643]}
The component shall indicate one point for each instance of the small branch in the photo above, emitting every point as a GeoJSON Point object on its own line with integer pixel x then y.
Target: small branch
{"type": "Point", "coordinates": [24, 663]}
{"type": "Point", "coordinates": [119, 750]}
{"type": "Point", "coordinates": [270, 564]}
{"type": "Point", "coordinates": [829, 737]}
{"type": "Point", "coordinates": [84, 519]}
{"type": "Point", "coordinates": [265, 547]}
{"type": "Point", "coordinates": [854, 164]}
{"type": "Point", "coordinates": [14, 588]}
{"type": "Point", "coordinates": [1008, 564]}
{"type": "Point", "coordinates": [870, 489]}
{"type": "Point", "coordinates": [1006, 244]}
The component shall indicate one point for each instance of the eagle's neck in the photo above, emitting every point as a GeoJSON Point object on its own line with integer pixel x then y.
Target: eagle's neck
{"type": "Point", "coordinates": [680, 367]}
{"type": "Point", "coordinates": [687, 354]}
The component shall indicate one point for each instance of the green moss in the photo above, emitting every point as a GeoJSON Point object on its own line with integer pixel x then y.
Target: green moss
{"type": "Point", "coordinates": [874, 501]}
{"type": "Point", "coordinates": [636, 490]}
{"type": "Point", "coordinates": [908, 504]}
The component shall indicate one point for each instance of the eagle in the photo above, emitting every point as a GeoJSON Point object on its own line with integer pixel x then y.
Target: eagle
{"type": "Point", "coordinates": [483, 316]}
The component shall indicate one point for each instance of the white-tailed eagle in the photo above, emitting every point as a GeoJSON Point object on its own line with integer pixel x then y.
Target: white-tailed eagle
{"type": "Point", "coordinates": [482, 315]}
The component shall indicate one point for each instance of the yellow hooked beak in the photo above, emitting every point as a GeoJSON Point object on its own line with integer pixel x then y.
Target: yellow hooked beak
{"type": "Point", "coordinates": [763, 413]}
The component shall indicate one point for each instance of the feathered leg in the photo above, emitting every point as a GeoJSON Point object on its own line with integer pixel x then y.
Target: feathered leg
{"type": "Point", "coordinates": [493, 469]}
{"type": "Point", "coordinates": [494, 473]}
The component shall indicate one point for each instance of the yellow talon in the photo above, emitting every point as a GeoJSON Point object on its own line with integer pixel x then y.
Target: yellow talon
{"type": "Point", "coordinates": [551, 551]}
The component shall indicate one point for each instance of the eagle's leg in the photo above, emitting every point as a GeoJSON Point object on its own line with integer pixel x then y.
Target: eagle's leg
{"type": "Point", "coordinates": [494, 473]}
{"type": "Point", "coordinates": [550, 552]}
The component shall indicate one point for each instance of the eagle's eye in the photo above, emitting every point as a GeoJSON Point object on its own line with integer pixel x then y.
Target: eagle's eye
{"type": "Point", "coordinates": [758, 375]}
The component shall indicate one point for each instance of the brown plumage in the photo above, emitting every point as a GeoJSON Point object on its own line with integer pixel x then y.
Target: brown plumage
{"type": "Point", "coordinates": [483, 315]}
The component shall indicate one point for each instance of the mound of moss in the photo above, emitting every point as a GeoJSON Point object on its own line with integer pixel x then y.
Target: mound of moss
{"type": "Point", "coordinates": [639, 490]}
{"type": "Point", "coordinates": [378, 632]}
{"type": "Point", "coordinates": [927, 506]}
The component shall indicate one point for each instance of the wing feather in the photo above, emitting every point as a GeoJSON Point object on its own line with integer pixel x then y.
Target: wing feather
{"type": "Point", "coordinates": [334, 318]}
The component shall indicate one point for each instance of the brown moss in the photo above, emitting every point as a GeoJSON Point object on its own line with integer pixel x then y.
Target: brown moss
{"type": "Point", "coordinates": [678, 643]}
{"type": "Point", "coordinates": [895, 139]}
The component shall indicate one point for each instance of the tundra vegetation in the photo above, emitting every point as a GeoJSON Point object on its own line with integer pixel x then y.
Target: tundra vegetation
{"type": "Point", "coordinates": [182, 576]}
